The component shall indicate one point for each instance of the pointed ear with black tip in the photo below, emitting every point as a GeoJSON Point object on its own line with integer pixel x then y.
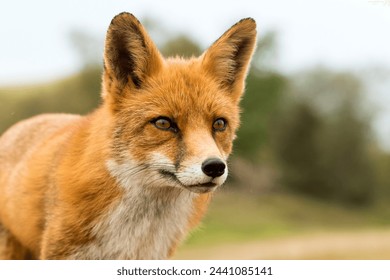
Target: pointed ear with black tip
{"type": "Point", "coordinates": [130, 56]}
{"type": "Point", "coordinates": [228, 59]}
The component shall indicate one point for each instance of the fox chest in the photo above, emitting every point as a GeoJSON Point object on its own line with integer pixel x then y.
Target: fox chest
{"type": "Point", "coordinates": [140, 227]}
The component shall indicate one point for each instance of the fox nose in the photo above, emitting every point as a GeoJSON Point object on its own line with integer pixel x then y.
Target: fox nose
{"type": "Point", "coordinates": [213, 167]}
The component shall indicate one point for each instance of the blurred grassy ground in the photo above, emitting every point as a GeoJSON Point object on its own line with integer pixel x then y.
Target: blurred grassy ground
{"type": "Point", "coordinates": [285, 226]}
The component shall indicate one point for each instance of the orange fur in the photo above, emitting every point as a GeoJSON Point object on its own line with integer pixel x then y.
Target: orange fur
{"type": "Point", "coordinates": [114, 184]}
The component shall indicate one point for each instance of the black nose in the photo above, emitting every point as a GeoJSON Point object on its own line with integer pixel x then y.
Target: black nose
{"type": "Point", "coordinates": [213, 167]}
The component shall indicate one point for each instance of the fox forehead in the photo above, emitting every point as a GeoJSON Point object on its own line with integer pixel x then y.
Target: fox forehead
{"type": "Point", "coordinates": [184, 93]}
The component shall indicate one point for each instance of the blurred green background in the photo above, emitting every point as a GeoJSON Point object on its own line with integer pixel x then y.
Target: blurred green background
{"type": "Point", "coordinates": [308, 177]}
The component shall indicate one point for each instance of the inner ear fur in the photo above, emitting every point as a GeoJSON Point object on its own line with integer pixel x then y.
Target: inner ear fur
{"type": "Point", "coordinates": [227, 60]}
{"type": "Point", "coordinates": [130, 56]}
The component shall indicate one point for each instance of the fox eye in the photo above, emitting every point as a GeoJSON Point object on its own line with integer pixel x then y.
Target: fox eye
{"type": "Point", "coordinates": [219, 124]}
{"type": "Point", "coordinates": [164, 123]}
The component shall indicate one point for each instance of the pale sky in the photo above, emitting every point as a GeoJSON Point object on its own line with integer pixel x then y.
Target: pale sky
{"type": "Point", "coordinates": [339, 34]}
{"type": "Point", "coordinates": [34, 35]}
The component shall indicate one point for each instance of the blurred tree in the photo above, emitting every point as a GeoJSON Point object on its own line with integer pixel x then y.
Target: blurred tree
{"type": "Point", "coordinates": [295, 143]}
{"type": "Point", "coordinates": [261, 100]}
{"type": "Point", "coordinates": [322, 139]}
{"type": "Point", "coordinates": [346, 160]}
{"type": "Point", "coordinates": [181, 46]}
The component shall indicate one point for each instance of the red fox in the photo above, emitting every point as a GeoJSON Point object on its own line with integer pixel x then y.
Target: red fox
{"type": "Point", "coordinates": [129, 180]}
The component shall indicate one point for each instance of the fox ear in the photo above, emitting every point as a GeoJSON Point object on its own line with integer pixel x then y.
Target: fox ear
{"type": "Point", "coordinates": [130, 56]}
{"type": "Point", "coordinates": [228, 59]}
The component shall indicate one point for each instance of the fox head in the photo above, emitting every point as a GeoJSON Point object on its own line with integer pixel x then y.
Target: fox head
{"type": "Point", "coordinates": [174, 120]}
